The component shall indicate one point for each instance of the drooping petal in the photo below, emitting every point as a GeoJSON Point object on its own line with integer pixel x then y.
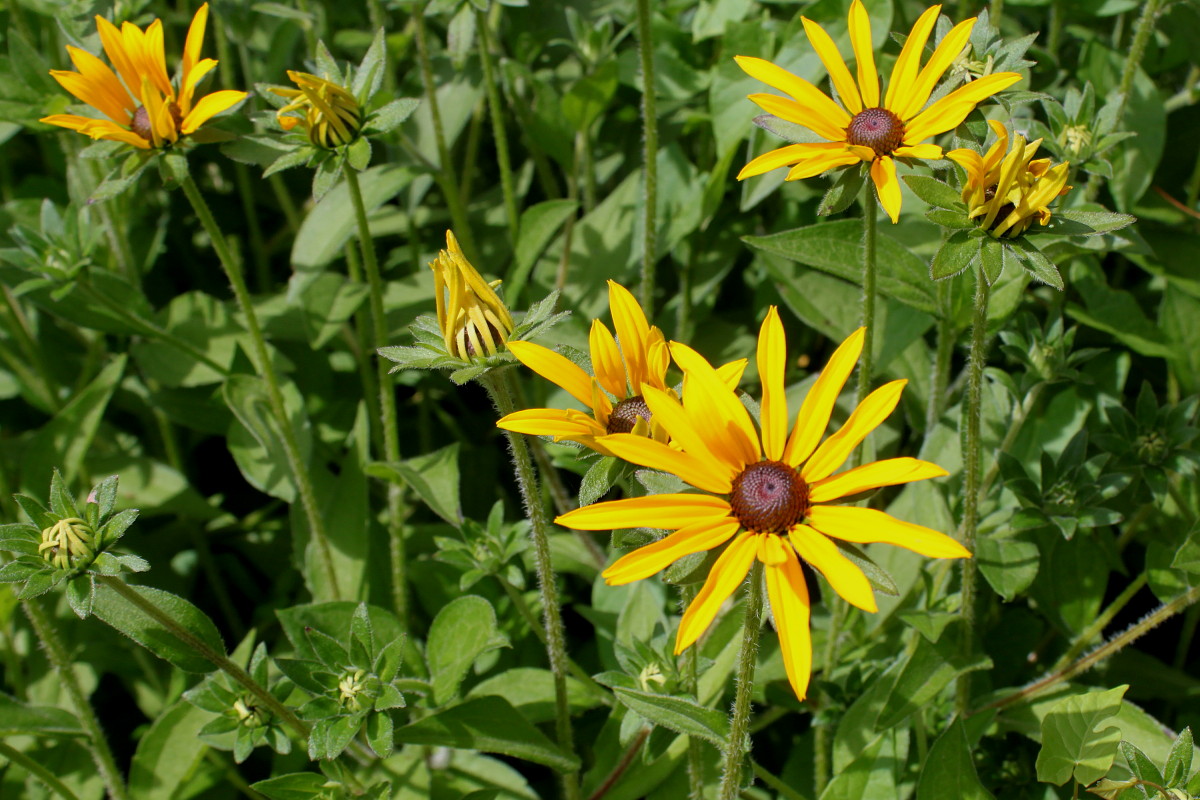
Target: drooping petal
{"type": "Point", "coordinates": [883, 174]}
{"type": "Point", "coordinates": [787, 155]}
{"type": "Point", "coordinates": [814, 414]}
{"type": "Point", "coordinates": [667, 511]}
{"type": "Point", "coordinates": [557, 422]}
{"type": "Point", "coordinates": [839, 75]}
{"type": "Point", "coordinates": [889, 472]}
{"type": "Point", "coordinates": [109, 96]}
{"type": "Point", "coordinates": [97, 129]}
{"type": "Point", "coordinates": [209, 106]}
{"type": "Point", "coordinates": [192, 78]}
{"type": "Point", "coordinates": [869, 415]}
{"type": "Point", "coordinates": [788, 595]}
{"type": "Point", "coordinates": [904, 73]}
{"type": "Point", "coordinates": [929, 152]}
{"type": "Point", "coordinates": [866, 525]}
{"type": "Point", "coordinates": [952, 109]}
{"type": "Point", "coordinates": [841, 573]}
{"type": "Point", "coordinates": [723, 578]}
{"type": "Point", "coordinates": [556, 368]}
{"type": "Point", "coordinates": [969, 160]}
{"type": "Point", "coordinates": [87, 90]}
{"type": "Point", "coordinates": [864, 54]}
{"type": "Point", "coordinates": [943, 56]}
{"type": "Point", "coordinates": [701, 473]}
{"type": "Point", "coordinates": [655, 557]}
{"type": "Point", "coordinates": [709, 402]}
{"type": "Point", "coordinates": [823, 163]}
{"type": "Point", "coordinates": [606, 360]}
{"type": "Point", "coordinates": [632, 331]}
{"type": "Point", "coordinates": [790, 110]}
{"type": "Point", "coordinates": [801, 90]}
{"type": "Point", "coordinates": [673, 417]}
{"type": "Point", "coordinates": [772, 360]}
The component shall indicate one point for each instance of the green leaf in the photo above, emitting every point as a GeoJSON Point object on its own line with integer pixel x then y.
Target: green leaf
{"type": "Point", "coordinates": [1008, 564]}
{"type": "Point", "coordinates": [462, 631]}
{"type": "Point", "coordinates": [991, 259]}
{"type": "Point", "coordinates": [842, 193]}
{"type": "Point", "coordinates": [1139, 764]}
{"type": "Point", "coordinates": [678, 714]}
{"type": "Point", "coordinates": [358, 153]}
{"type": "Point", "coordinates": [1179, 760]}
{"type": "Point", "coordinates": [949, 770]}
{"type": "Point", "coordinates": [296, 786]}
{"type": "Point", "coordinates": [132, 621]}
{"type": "Point", "coordinates": [433, 476]}
{"type": "Point", "coordinates": [81, 593]}
{"type": "Point", "coordinates": [538, 225]}
{"type": "Point", "coordinates": [368, 76]}
{"type": "Point", "coordinates": [1084, 223]}
{"type": "Point", "coordinates": [934, 192]}
{"type": "Point", "coordinates": [930, 669]}
{"type": "Point", "coordinates": [331, 223]}
{"type": "Point", "coordinates": [531, 692]}
{"type": "Point", "coordinates": [955, 255]}
{"type": "Point", "coordinates": [488, 724]}
{"type": "Point", "coordinates": [600, 477]}
{"type": "Point", "coordinates": [1036, 263]}
{"type": "Point", "coordinates": [589, 96]}
{"type": "Point", "coordinates": [168, 753]}
{"type": "Point", "coordinates": [255, 439]}
{"type": "Point", "coordinates": [1075, 742]}
{"type": "Point", "coordinates": [387, 118]}
{"type": "Point", "coordinates": [17, 718]}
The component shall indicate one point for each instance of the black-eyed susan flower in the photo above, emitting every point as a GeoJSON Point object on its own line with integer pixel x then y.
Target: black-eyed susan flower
{"type": "Point", "coordinates": [863, 126]}
{"type": "Point", "coordinates": [613, 396]}
{"type": "Point", "coordinates": [329, 113]}
{"type": "Point", "coordinates": [771, 496]}
{"type": "Point", "coordinates": [1007, 188]}
{"type": "Point", "coordinates": [472, 317]}
{"type": "Point", "coordinates": [143, 107]}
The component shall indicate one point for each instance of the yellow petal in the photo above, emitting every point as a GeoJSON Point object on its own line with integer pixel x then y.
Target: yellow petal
{"type": "Point", "coordinates": [668, 511]}
{"type": "Point", "coordinates": [801, 90]}
{"type": "Point", "coordinates": [122, 61]}
{"type": "Point", "coordinates": [645, 561]}
{"type": "Point", "coordinates": [153, 58]}
{"type": "Point", "coordinates": [560, 423]}
{"type": "Point", "coordinates": [943, 56]}
{"type": "Point", "coordinates": [869, 415]}
{"type": "Point", "coordinates": [726, 574]}
{"type": "Point", "coordinates": [792, 111]}
{"type": "Point", "coordinates": [87, 90]}
{"type": "Point", "coordinates": [789, 154]}
{"type": "Point", "coordinates": [632, 331]}
{"type": "Point", "coordinates": [814, 414]}
{"type": "Point", "coordinates": [866, 525]}
{"type": "Point", "coordinates": [954, 107]}
{"type": "Point", "coordinates": [190, 79]}
{"type": "Point", "coordinates": [930, 152]}
{"type": "Point", "coordinates": [666, 411]}
{"type": "Point", "coordinates": [864, 54]}
{"type": "Point", "coordinates": [772, 360]}
{"type": "Point", "coordinates": [118, 105]}
{"type": "Point", "coordinates": [556, 368]}
{"type": "Point", "coordinates": [709, 402]}
{"type": "Point", "coordinates": [209, 106]}
{"type": "Point", "coordinates": [883, 174]}
{"type": "Point", "coordinates": [97, 129]}
{"type": "Point", "coordinates": [606, 360]}
{"type": "Point", "coordinates": [904, 73]}
{"type": "Point", "coordinates": [788, 595]}
{"type": "Point", "coordinates": [841, 573]}
{"type": "Point", "coordinates": [195, 39]}
{"type": "Point", "coordinates": [731, 373]}
{"type": "Point", "coordinates": [889, 472]}
{"type": "Point", "coordinates": [969, 160]}
{"type": "Point", "coordinates": [658, 358]}
{"type": "Point", "coordinates": [646, 452]}
{"type": "Point", "coordinates": [823, 163]}
{"type": "Point", "coordinates": [834, 65]}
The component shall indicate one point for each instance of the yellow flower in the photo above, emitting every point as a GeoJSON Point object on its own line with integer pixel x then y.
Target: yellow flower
{"type": "Point", "coordinates": [142, 106]}
{"type": "Point", "coordinates": [614, 395]}
{"type": "Point", "coordinates": [1008, 187]}
{"type": "Point", "coordinates": [771, 496]}
{"type": "Point", "coordinates": [861, 128]}
{"type": "Point", "coordinates": [332, 117]}
{"type": "Point", "coordinates": [473, 318]}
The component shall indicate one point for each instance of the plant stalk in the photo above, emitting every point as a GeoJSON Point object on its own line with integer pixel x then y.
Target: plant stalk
{"type": "Point", "coordinates": [822, 741]}
{"type": "Point", "coordinates": [739, 720]}
{"type": "Point", "coordinates": [504, 163]}
{"type": "Point", "coordinates": [940, 380]}
{"type": "Point", "coordinates": [866, 363]}
{"type": "Point", "coordinates": [26, 763]}
{"type": "Point", "coordinates": [650, 157]}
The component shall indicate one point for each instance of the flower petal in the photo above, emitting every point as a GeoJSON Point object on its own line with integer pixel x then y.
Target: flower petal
{"type": "Point", "coordinates": [839, 75]}
{"type": "Point", "coordinates": [658, 359]}
{"type": "Point", "coordinates": [943, 56]}
{"type": "Point", "coordinates": [557, 422]}
{"type": "Point", "coordinates": [801, 90]}
{"type": "Point", "coordinates": [668, 412]}
{"type": "Point", "coordinates": [930, 152]}
{"type": "Point", "coordinates": [209, 106]}
{"type": "Point", "coordinates": [904, 73]}
{"type": "Point", "coordinates": [699, 472]}
{"type": "Point", "coordinates": [869, 415]}
{"type": "Point", "coordinates": [97, 129]}
{"type": "Point", "coordinates": [889, 472]}
{"type": "Point", "coordinates": [117, 103]}
{"type": "Point", "coordinates": [864, 54]}
{"type": "Point", "coordinates": [813, 418]}
{"type": "Point", "coordinates": [823, 163]}
{"type": "Point", "coordinates": [652, 558]}
{"type": "Point", "coordinates": [556, 368]}
{"type": "Point", "coordinates": [711, 404]}
{"type": "Point", "coordinates": [883, 174]}
{"type": "Point", "coordinates": [787, 155]}
{"type": "Point", "coordinates": [842, 574]}
{"type": "Point", "coordinates": [788, 596]}
{"type": "Point", "coordinates": [195, 40]}
{"type": "Point", "coordinates": [668, 511]}
{"type": "Point", "coordinates": [723, 578]}
{"type": "Point", "coordinates": [606, 360]}
{"type": "Point", "coordinates": [788, 109]}
{"type": "Point", "coordinates": [866, 526]}
{"type": "Point", "coordinates": [954, 107]}
{"type": "Point", "coordinates": [731, 373]}
{"type": "Point", "coordinates": [633, 331]}
{"type": "Point", "coordinates": [772, 360]}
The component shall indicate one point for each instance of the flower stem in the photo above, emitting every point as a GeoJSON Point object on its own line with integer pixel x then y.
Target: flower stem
{"type": "Point", "coordinates": [1101, 622]}
{"type": "Point", "coordinates": [870, 207]}
{"type": "Point", "coordinates": [627, 758]}
{"type": "Point", "coordinates": [739, 720]}
{"type": "Point", "coordinates": [218, 660]}
{"type": "Point", "coordinates": [498, 132]}
{"type": "Point", "coordinates": [304, 486]}
{"type": "Point", "coordinates": [695, 764]}
{"type": "Point", "coordinates": [499, 387]}
{"type": "Point", "coordinates": [971, 469]}
{"type": "Point", "coordinates": [650, 157]}
{"type": "Point", "coordinates": [56, 653]}
{"type": "Point", "coordinates": [822, 737]}
{"type": "Point", "coordinates": [387, 400]}
{"type": "Point", "coordinates": [34, 768]}
{"type": "Point", "coordinates": [940, 380]}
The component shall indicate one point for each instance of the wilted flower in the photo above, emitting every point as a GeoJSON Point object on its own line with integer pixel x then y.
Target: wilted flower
{"type": "Point", "coordinates": [143, 108]}
{"type": "Point", "coordinates": [1007, 189]}
{"type": "Point", "coordinates": [472, 317]}
{"type": "Point", "coordinates": [332, 116]}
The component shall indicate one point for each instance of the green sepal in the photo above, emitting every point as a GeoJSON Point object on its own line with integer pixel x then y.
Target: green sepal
{"type": "Point", "coordinates": [843, 191]}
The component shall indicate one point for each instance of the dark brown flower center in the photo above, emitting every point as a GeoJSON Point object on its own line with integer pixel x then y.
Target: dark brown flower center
{"type": "Point", "coordinates": [769, 497]}
{"type": "Point", "coordinates": [625, 414]}
{"type": "Point", "coordinates": [876, 128]}
{"type": "Point", "coordinates": [140, 124]}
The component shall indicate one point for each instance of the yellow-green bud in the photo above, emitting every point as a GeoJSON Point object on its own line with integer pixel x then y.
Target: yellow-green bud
{"type": "Point", "coordinates": [351, 688]}
{"type": "Point", "coordinates": [332, 116]}
{"type": "Point", "coordinates": [68, 543]}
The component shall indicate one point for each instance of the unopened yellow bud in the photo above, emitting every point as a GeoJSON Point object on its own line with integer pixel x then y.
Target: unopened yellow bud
{"type": "Point", "coordinates": [331, 115]}
{"type": "Point", "coordinates": [68, 543]}
{"type": "Point", "coordinates": [473, 319]}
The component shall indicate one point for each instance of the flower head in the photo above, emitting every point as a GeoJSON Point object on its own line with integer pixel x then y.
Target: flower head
{"type": "Point", "coordinates": [864, 126]}
{"type": "Point", "coordinates": [1008, 188]}
{"type": "Point", "coordinates": [473, 318]}
{"type": "Point", "coordinates": [143, 108]}
{"type": "Point", "coordinates": [332, 116]}
{"type": "Point", "coordinates": [613, 396]}
{"type": "Point", "coordinates": [771, 496]}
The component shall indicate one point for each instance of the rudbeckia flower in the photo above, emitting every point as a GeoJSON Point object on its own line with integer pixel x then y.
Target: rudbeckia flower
{"type": "Point", "coordinates": [143, 108]}
{"type": "Point", "coordinates": [332, 116]}
{"type": "Point", "coordinates": [861, 127]}
{"type": "Point", "coordinates": [1007, 189]}
{"type": "Point", "coordinates": [771, 495]}
{"type": "Point", "coordinates": [613, 396]}
{"type": "Point", "coordinates": [472, 317]}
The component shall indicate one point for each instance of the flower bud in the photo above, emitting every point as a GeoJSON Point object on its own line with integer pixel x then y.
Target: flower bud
{"type": "Point", "coordinates": [473, 319]}
{"type": "Point", "coordinates": [332, 116]}
{"type": "Point", "coordinates": [68, 543]}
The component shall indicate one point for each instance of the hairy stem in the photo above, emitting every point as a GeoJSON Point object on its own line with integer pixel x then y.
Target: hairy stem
{"type": "Point", "coordinates": [504, 163]}
{"type": "Point", "coordinates": [44, 775]}
{"type": "Point", "coordinates": [739, 719]}
{"type": "Point", "coordinates": [649, 156]}
{"type": "Point", "coordinates": [870, 207]}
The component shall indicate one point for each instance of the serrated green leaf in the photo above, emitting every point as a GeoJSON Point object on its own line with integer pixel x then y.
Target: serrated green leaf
{"type": "Point", "coordinates": [1036, 263]}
